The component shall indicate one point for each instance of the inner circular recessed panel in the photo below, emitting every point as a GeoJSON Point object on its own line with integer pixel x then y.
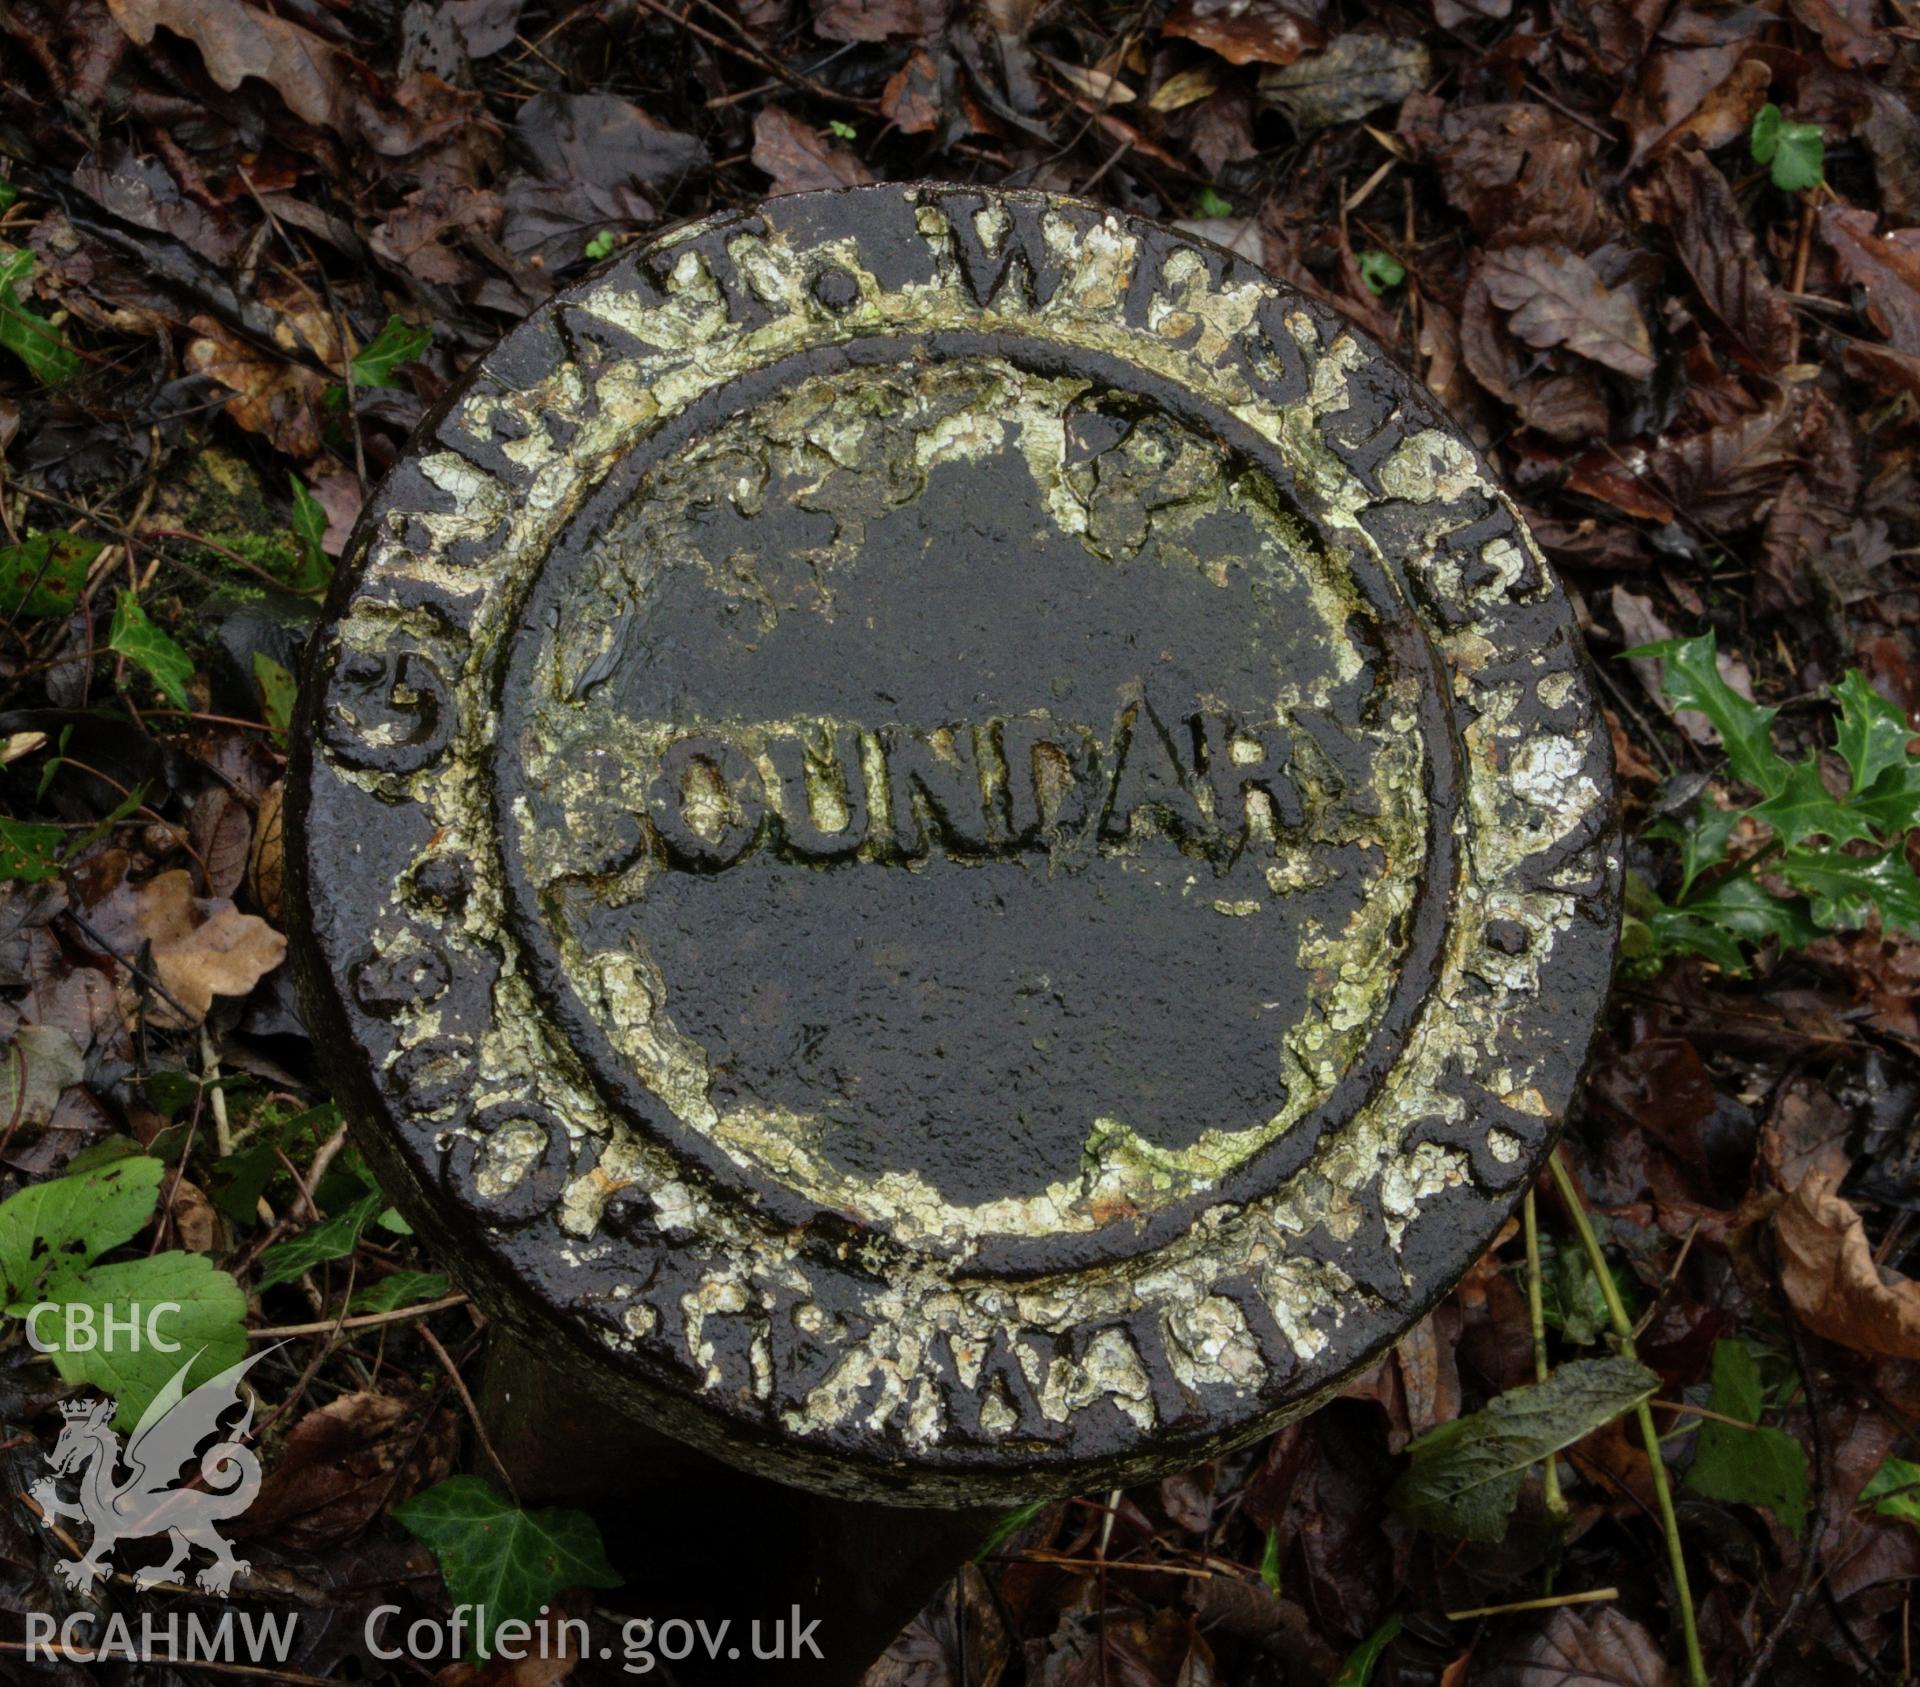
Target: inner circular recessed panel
{"type": "Point", "coordinates": [969, 799]}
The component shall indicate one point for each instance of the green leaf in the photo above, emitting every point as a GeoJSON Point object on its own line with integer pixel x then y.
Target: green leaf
{"type": "Point", "coordinates": [1358, 1669]}
{"type": "Point", "coordinates": [334, 1238]}
{"type": "Point", "coordinates": [506, 1561]}
{"type": "Point", "coordinates": [31, 338]}
{"type": "Point", "coordinates": [310, 529]}
{"type": "Point", "coordinates": [844, 131]}
{"type": "Point", "coordinates": [1577, 1303]}
{"type": "Point", "coordinates": [8, 193]}
{"type": "Point", "coordinates": [1805, 808]}
{"type": "Point", "coordinates": [1208, 203]}
{"type": "Point", "coordinates": [1705, 841]}
{"type": "Point", "coordinates": [45, 573]}
{"type": "Point", "coordinates": [1720, 919]}
{"type": "Point", "coordinates": [135, 637]}
{"type": "Point", "coordinates": [1270, 1561]}
{"type": "Point", "coordinates": [1795, 151]}
{"type": "Point", "coordinates": [68, 1222]}
{"type": "Point", "coordinates": [1690, 675]}
{"type": "Point", "coordinates": [29, 852]}
{"type": "Point", "coordinates": [396, 343]}
{"type": "Point", "coordinates": [278, 692]}
{"type": "Point", "coordinates": [1380, 270]}
{"type": "Point", "coordinates": [207, 1318]}
{"type": "Point", "coordinates": [1465, 1476]}
{"type": "Point", "coordinates": [1747, 1466]}
{"type": "Point", "coordinates": [1845, 887]}
{"type": "Point", "coordinates": [403, 1288]}
{"type": "Point", "coordinates": [601, 245]}
{"type": "Point", "coordinates": [1873, 734]}
{"type": "Point", "coordinates": [1895, 1490]}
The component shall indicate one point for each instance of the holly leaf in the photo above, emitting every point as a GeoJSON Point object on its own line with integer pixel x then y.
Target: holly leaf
{"type": "Point", "coordinates": [204, 1314]}
{"type": "Point", "coordinates": [68, 1222]}
{"type": "Point", "coordinates": [1690, 675]}
{"type": "Point", "coordinates": [1703, 838]}
{"type": "Point", "coordinates": [396, 343]}
{"type": "Point", "coordinates": [1805, 808]}
{"type": "Point", "coordinates": [504, 1561]}
{"type": "Point", "coordinates": [1895, 1490]}
{"type": "Point", "coordinates": [30, 337]}
{"type": "Point", "coordinates": [333, 1238]}
{"type": "Point", "coordinates": [1465, 1476]}
{"type": "Point", "coordinates": [1755, 1466]}
{"type": "Point", "coordinates": [135, 637]}
{"type": "Point", "coordinates": [45, 573]}
{"type": "Point", "coordinates": [1873, 734]}
{"type": "Point", "coordinates": [1844, 888]}
{"type": "Point", "coordinates": [1733, 912]}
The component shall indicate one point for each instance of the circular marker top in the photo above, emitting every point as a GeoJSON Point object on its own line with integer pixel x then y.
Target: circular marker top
{"type": "Point", "coordinates": [951, 843]}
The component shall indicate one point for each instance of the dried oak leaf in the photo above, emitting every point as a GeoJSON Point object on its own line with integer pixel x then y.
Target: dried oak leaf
{"type": "Point", "coordinates": [1244, 31]}
{"type": "Point", "coordinates": [346, 1462]}
{"type": "Point", "coordinates": [1522, 173]}
{"type": "Point", "coordinates": [1828, 1273]}
{"type": "Point", "coordinates": [320, 83]}
{"type": "Point", "coordinates": [1668, 88]}
{"type": "Point", "coordinates": [879, 20]}
{"type": "Point", "coordinates": [281, 401]}
{"type": "Point", "coordinates": [797, 158]}
{"type": "Point", "coordinates": [1692, 199]}
{"type": "Point", "coordinates": [1886, 268]}
{"type": "Point", "coordinates": [1357, 73]}
{"type": "Point", "coordinates": [1556, 299]}
{"type": "Point", "coordinates": [201, 947]}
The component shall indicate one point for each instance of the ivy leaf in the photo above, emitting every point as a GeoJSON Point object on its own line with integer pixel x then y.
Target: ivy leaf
{"type": "Point", "coordinates": [1690, 675]}
{"type": "Point", "coordinates": [278, 692]}
{"type": "Point", "coordinates": [28, 852]}
{"type": "Point", "coordinates": [1465, 1476]}
{"type": "Point", "coordinates": [1873, 734]}
{"type": "Point", "coordinates": [1845, 887]}
{"type": "Point", "coordinates": [502, 1560]}
{"type": "Point", "coordinates": [1895, 1490]}
{"type": "Point", "coordinates": [1747, 1466]}
{"type": "Point", "coordinates": [334, 1238]}
{"type": "Point", "coordinates": [396, 343]}
{"type": "Point", "coordinates": [135, 637]}
{"type": "Point", "coordinates": [31, 338]}
{"type": "Point", "coordinates": [403, 1288]}
{"type": "Point", "coordinates": [207, 1319]}
{"type": "Point", "coordinates": [1805, 808]}
{"type": "Point", "coordinates": [1796, 151]}
{"type": "Point", "coordinates": [68, 1222]}
{"type": "Point", "coordinates": [45, 573]}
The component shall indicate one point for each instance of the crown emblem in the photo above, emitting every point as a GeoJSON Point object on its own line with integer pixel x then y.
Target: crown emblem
{"type": "Point", "coordinates": [76, 1409]}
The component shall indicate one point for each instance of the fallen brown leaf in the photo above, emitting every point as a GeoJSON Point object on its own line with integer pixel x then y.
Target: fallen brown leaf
{"type": "Point", "coordinates": [1244, 31]}
{"type": "Point", "coordinates": [1827, 1270]}
{"type": "Point", "coordinates": [1556, 299]}
{"type": "Point", "coordinates": [201, 947]}
{"type": "Point", "coordinates": [911, 98]}
{"type": "Point", "coordinates": [266, 866]}
{"type": "Point", "coordinates": [797, 158]}
{"type": "Point", "coordinates": [276, 399]}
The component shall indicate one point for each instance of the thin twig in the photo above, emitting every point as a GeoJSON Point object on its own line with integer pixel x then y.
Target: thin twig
{"type": "Point", "coordinates": [365, 1321]}
{"type": "Point", "coordinates": [473, 1412]}
{"type": "Point", "coordinates": [1593, 1596]}
{"type": "Point", "coordinates": [1656, 1465]}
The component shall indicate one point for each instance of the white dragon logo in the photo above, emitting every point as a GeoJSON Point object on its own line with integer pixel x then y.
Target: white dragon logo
{"type": "Point", "coordinates": [148, 1502]}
